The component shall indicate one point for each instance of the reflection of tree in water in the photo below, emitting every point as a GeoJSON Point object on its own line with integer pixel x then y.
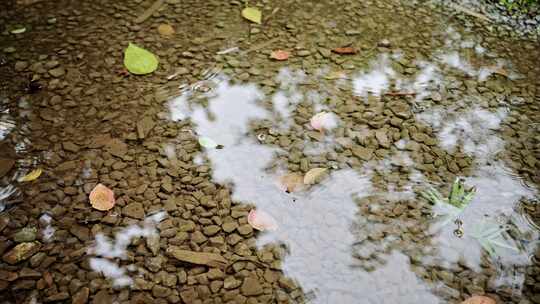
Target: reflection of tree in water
{"type": "Point", "coordinates": [387, 225]}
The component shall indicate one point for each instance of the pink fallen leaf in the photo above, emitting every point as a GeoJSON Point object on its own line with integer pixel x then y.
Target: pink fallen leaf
{"type": "Point", "coordinates": [261, 220]}
{"type": "Point", "coordinates": [479, 300]}
{"type": "Point", "coordinates": [102, 198]}
{"type": "Point", "coordinates": [279, 55]}
{"type": "Point", "coordinates": [323, 121]}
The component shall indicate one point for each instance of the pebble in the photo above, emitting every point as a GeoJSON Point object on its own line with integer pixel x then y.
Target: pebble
{"type": "Point", "coordinates": [57, 72]}
{"type": "Point", "coordinates": [21, 252]}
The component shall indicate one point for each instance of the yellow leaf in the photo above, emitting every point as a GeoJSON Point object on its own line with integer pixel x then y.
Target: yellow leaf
{"type": "Point", "coordinates": [314, 175]}
{"type": "Point", "coordinates": [252, 14]}
{"type": "Point", "coordinates": [31, 176]}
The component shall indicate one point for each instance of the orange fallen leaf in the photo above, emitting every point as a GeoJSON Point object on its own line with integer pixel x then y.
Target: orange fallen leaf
{"type": "Point", "coordinates": [102, 198]}
{"type": "Point", "coordinates": [479, 300]}
{"type": "Point", "coordinates": [348, 50]}
{"type": "Point", "coordinates": [279, 55]}
{"type": "Point", "coordinates": [165, 30]}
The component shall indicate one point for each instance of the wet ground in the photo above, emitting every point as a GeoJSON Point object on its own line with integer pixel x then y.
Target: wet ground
{"type": "Point", "coordinates": [430, 95]}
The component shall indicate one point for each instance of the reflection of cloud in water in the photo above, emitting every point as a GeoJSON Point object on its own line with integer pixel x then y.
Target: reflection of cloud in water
{"type": "Point", "coordinates": [375, 81]}
{"type": "Point", "coordinates": [316, 226]}
{"type": "Point", "coordinates": [106, 249]}
{"type": "Point", "coordinates": [473, 129]}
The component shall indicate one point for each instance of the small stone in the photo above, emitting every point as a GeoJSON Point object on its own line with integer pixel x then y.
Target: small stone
{"type": "Point", "coordinates": [229, 226]}
{"type": "Point", "coordinates": [362, 153]}
{"type": "Point", "coordinates": [27, 234]}
{"type": "Point", "coordinates": [102, 297]}
{"type": "Point", "coordinates": [21, 66]}
{"type": "Point", "coordinates": [5, 166]}
{"type": "Point", "coordinates": [352, 32]}
{"type": "Point", "coordinates": [303, 53]}
{"type": "Point", "coordinates": [81, 232]}
{"type": "Point", "coordinates": [245, 229]}
{"type": "Point", "coordinates": [81, 297]}
{"type": "Point", "coordinates": [211, 230]}
{"type": "Point", "coordinates": [251, 287]}
{"type": "Point", "coordinates": [70, 147]}
{"type": "Point", "coordinates": [400, 109]}
{"type": "Point", "coordinates": [21, 252]}
{"type": "Point", "coordinates": [57, 72]}
{"type": "Point", "coordinates": [144, 126]}
{"type": "Point", "coordinates": [134, 210]}
{"type": "Point", "coordinates": [60, 296]}
{"type": "Point", "coordinates": [231, 283]}
{"type": "Point", "coordinates": [10, 50]}
{"type": "Point", "coordinates": [159, 291]}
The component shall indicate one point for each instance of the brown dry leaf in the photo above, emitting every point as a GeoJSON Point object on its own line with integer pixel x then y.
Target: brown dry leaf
{"type": "Point", "coordinates": [102, 198]}
{"type": "Point", "coordinates": [279, 55]}
{"type": "Point", "coordinates": [479, 300]}
{"type": "Point", "coordinates": [165, 30]}
{"type": "Point", "coordinates": [314, 176]}
{"type": "Point", "coordinates": [291, 182]}
{"type": "Point", "coordinates": [501, 71]}
{"type": "Point", "coordinates": [348, 50]}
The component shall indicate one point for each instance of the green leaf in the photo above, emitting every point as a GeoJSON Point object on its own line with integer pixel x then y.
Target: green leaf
{"type": "Point", "coordinates": [252, 14]}
{"type": "Point", "coordinates": [139, 61]}
{"type": "Point", "coordinates": [207, 143]}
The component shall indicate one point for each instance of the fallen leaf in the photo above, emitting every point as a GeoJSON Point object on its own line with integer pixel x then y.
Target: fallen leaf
{"type": "Point", "coordinates": [139, 61]}
{"type": "Point", "coordinates": [19, 30]}
{"type": "Point", "coordinates": [31, 176]}
{"type": "Point", "coordinates": [261, 220]}
{"type": "Point", "coordinates": [314, 175]}
{"type": "Point", "coordinates": [323, 121]}
{"type": "Point", "coordinates": [348, 50]}
{"type": "Point", "coordinates": [198, 258]}
{"type": "Point", "coordinates": [291, 182]}
{"type": "Point", "coordinates": [252, 14]}
{"type": "Point", "coordinates": [479, 300]}
{"type": "Point", "coordinates": [501, 71]}
{"type": "Point", "coordinates": [165, 30]}
{"type": "Point", "coordinates": [5, 166]}
{"type": "Point", "coordinates": [279, 55]}
{"type": "Point", "coordinates": [102, 198]}
{"type": "Point", "coordinates": [207, 142]}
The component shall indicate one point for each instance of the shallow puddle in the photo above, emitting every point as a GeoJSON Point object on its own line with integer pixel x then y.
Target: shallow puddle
{"type": "Point", "coordinates": [353, 152]}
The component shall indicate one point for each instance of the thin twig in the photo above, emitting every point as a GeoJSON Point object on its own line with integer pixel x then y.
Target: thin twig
{"type": "Point", "coordinates": [400, 93]}
{"type": "Point", "coordinates": [271, 15]}
{"type": "Point", "coordinates": [148, 12]}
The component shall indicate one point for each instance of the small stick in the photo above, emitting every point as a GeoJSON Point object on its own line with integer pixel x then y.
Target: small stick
{"type": "Point", "coordinates": [260, 46]}
{"type": "Point", "coordinates": [271, 15]}
{"type": "Point", "coordinates": [148, 12]}
{"type": "Point", "coordinates": [400, 93]}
